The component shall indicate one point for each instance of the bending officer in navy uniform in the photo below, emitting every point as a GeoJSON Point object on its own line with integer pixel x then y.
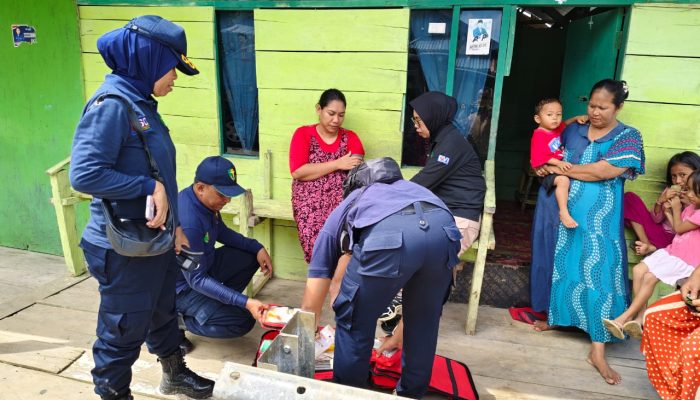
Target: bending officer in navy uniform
{"type": "Point", "coordinates": [452, 171]}
{"type": "Point", "coordinates": [108, 160]}
{"type": "Point", "coordinates": [401, 236]}
{"type": "Point", "coordinates": [209, 297]}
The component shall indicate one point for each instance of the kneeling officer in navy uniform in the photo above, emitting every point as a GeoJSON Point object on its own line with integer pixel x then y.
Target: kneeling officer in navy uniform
{"type": "Point", "coordinates": [401, 236]}
{"type": "Point", "coordinates": [209, 296]}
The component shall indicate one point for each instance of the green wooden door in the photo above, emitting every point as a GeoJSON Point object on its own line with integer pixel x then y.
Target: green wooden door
{"type": "Point", "coordinates": [592, 48]}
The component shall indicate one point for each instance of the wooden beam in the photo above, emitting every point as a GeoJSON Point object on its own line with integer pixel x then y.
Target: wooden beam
{"type": "Point", "coordinates": [246, 211]}
{"type": "Point", "coordinates": [61, 192]}
{"type": "Point", "coordinates": [452, 56]}
{"type": "Point", "coordinates": [480, 263]}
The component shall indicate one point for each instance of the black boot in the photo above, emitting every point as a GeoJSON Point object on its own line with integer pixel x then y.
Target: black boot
{"type": "Point", "coordinates": [177, 378]}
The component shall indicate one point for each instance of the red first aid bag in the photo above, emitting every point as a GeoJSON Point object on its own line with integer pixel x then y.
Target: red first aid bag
{"type": "Point", "coordinates": [449, 378]}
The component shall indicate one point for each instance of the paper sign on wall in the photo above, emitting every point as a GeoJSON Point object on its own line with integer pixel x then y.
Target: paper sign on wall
{"type": "Point", "coordinates": [437, 28]}
{"type": "Point", "coordinates": [479, 36]}
{"type": "Point", "coordinates": [23, 34]}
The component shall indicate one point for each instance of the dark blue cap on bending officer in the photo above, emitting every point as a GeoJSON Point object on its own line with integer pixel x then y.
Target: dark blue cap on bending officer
{"type": "Point", "coordinates": [220, 173]}
{"type": "Point", "coordinates": [168, 34]}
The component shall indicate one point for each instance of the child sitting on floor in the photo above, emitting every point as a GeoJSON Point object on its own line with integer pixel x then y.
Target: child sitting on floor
{"type": "Point", "coordinates": [546, 149]}
{"type": "Point", "coordinates": [652, 228]}
{"type": "Point", "coordinates": [668, 265]}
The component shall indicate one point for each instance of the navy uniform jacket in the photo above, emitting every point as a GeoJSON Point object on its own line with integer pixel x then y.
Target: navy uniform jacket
{"type": "Point", "coordinates": [453, 173]}
{"type": "Point", "coordinates": [108, 159]}
{"type": "Point", "coordinates": [361, 209]}
{"type": "Point", "coordinates": [203, 229]}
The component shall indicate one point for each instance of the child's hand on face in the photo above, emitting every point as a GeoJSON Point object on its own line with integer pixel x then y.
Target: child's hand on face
{"type": "Point", "coordinates": [582, 119]}
{"type": "Point", "coordinates": [668, 194]}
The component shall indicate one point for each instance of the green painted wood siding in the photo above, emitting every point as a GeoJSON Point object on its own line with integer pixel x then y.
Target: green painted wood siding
{"type": "Point", "coordinates": [300, 53]}
{"type": "Point", "coordinates": [40, 102]}
{"type": "Point", "coordinates": [665, 30]}
{"type": "Point", "coordinates": [662, 68]}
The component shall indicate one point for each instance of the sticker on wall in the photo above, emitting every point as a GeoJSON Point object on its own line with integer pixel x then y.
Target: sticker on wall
{"type": "Point", "coordinates": [479, 36]}
{"type": "Point", "coordinates": [23, 34]}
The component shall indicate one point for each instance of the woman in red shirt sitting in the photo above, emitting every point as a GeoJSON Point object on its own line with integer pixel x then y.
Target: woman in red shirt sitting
{"type": "Point", "coordinates": [319, 157]}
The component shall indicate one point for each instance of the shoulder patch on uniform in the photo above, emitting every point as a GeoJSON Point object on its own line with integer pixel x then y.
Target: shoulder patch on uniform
{"type": "Point", "coordinates": [144, 123]}
{"type": "Point", "coordinates": [443, 159]}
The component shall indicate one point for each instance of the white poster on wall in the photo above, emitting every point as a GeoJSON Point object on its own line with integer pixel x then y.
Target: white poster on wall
{"type": "Point", "coordinates": [479, 36]}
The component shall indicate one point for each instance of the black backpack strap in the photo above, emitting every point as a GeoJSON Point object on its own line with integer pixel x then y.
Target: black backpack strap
{"type": "Point", "coordinates": [136, 126]}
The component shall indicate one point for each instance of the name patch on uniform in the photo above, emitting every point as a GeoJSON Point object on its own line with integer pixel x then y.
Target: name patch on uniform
{"type": "Point", "coordinates": [144, 124]}
{"type": "Point", "coordinates": [443, 159]}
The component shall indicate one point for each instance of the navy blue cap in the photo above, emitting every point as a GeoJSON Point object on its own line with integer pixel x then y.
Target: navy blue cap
{"type": "Point", "coordinates": [168, 34]}
{"type": "Point", "coordinates": [220, 173]}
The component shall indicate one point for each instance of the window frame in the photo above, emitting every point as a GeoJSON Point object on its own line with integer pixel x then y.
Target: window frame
{"type": "Point", "coordinates": [219, 82]}
{"type": "Point", "coordinates": [503, 60]}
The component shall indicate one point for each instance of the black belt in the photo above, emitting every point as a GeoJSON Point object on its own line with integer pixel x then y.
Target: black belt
{"type": "Point", "coordinates": [410, 209]}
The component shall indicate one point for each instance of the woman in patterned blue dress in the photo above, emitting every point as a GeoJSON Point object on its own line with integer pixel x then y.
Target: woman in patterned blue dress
{"type": "Point", "coordinates": [589, 281]}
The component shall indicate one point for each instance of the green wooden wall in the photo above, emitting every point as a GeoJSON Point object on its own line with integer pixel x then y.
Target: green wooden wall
{"type": "Point", "coordinates": [40, 102]}
{"type": "Point", "coordinates": [662, 68]}
{"type": "Point", "coordinates": [299, 53]}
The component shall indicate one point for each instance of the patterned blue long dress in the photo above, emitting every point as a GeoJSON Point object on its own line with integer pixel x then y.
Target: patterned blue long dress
{"type": "Point", "coordinates": [589, 281]}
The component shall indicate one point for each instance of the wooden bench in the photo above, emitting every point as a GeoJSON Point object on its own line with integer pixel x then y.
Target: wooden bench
{"type": "Point", "coordinates": [64, 199]}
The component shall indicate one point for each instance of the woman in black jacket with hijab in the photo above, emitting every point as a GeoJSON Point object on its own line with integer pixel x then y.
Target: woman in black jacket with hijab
{"type": "Point", "coordinates": [453, 169]}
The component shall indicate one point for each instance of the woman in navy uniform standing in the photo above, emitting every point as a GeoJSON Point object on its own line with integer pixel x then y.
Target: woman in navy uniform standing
{"type": "Point", "coordinates": [137, 294]}
{"type": "Point", "coordinates": [401, 236]}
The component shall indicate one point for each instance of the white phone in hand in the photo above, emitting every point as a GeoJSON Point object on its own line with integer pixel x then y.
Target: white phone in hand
{"type": "Point", "coordinates": [150, 208]}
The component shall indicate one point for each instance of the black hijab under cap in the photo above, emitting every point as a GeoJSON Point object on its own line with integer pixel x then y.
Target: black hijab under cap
{"type": "Point", "coordinates": [436, 109]}
{"type": "Point", "coordinates": [384, 170]}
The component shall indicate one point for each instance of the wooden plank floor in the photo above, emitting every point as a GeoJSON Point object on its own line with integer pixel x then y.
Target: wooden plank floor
{"type": "Point", "coordinates": [508, 359]}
